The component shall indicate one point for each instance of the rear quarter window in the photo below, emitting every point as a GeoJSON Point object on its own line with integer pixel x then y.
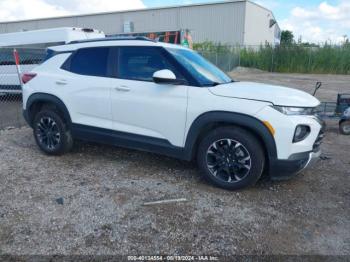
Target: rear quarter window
{"type": "Point", "coordinates": [89, 61]}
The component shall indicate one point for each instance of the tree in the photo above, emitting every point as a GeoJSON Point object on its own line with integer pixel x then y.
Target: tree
{"type": "Point", "coordinates": [287, 37]}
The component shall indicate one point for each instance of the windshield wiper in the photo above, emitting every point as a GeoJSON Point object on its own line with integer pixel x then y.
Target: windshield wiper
{"type": "Point", "coordinates": [217, 83]}
{"type": "Point", "coordinates": [211, 84]}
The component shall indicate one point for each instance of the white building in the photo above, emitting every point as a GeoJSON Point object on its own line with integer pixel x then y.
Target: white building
{"type": "Point", "coordinates": [234, 22]}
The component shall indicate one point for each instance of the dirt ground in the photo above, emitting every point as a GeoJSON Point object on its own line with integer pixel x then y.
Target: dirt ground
{"type": "Point", "coordinates": [11, 111]}
{"type": "Point", "coordinates": [90, 201]}
{"type": "Point", "coordinates": [331, 84]}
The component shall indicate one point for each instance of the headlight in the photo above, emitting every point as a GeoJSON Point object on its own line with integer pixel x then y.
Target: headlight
{"type": "Point", "coordinates": [288, 110]}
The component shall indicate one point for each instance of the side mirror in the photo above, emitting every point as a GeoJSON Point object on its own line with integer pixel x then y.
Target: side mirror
{"type": "Point", "coordinates": [167, 77]}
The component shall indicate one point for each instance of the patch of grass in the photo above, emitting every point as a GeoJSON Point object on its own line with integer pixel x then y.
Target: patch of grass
{"type": "Point", "coordinates": [293, 58]}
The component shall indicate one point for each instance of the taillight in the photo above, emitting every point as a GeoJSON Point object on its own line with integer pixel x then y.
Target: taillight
{"type": "Point", "coordinates": [26, 77]}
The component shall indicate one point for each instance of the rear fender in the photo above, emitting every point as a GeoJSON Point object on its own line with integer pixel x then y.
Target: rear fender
{"type": "Point", "coordinates": [45, 98]}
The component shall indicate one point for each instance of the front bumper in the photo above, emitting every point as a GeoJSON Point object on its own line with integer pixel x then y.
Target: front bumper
{"type": "Point", "coordinates": [285, 169]}
{"type": "Point", "coordinates": [10, 89]}
{"type": "Point", "coordinates": [297, 162]}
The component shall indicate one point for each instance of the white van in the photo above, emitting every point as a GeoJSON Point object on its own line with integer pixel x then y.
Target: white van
{"type": "Point", "coordinates": [31, 47]}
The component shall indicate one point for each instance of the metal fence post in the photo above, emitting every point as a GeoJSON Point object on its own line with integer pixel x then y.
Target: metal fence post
{"type": "Point", "coordinates": [229, 61]}
{"type": "Point", "coordinates": [272, 59]}
{"type": "Point", "coordinates": [309, 65]}
{"type": "Point", "coordinates": [239, 56]}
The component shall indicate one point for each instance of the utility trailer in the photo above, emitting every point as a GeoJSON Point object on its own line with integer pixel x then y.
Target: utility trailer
{"type": "Point", "coordinates": [339, 110]}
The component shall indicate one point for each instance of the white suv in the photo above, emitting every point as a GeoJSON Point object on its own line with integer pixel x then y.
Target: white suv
{"type": "Point", "coordinates": [167, 99]}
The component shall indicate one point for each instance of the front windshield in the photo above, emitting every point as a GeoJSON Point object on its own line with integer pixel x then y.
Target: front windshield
{"type": "Point", "coordinates": [203, 71]}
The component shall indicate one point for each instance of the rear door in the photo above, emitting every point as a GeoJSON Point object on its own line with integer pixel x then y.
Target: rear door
{"type": "Point", "coordinates": [86, 87]}
{"type": "Point", "coordinates": [142, 107]}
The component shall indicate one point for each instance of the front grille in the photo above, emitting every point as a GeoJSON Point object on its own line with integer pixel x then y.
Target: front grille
{"type": "Point", "coordinates": [319, 139]}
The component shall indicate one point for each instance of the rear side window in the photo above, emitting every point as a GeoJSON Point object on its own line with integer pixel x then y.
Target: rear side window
{"type": "Point", "coordinates": [89, 61]}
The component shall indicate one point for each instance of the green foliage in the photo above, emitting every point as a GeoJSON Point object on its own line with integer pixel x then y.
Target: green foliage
{"type": "Point", "coordinates": [211, 47]}
{"type": "Point", "coordinates": [287, 37]}
{"type": "Point", "coordinates": [286, 58]}
{"type": "Point", "coordinates": [299, 59]}
{"type": "Point", "coordinates": [224, 56]}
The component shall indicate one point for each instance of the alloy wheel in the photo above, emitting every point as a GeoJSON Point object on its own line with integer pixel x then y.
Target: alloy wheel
{"type": "Point", "coordinates": [48, 133]}
{"type": "Point", "coordinates": [228, 160]}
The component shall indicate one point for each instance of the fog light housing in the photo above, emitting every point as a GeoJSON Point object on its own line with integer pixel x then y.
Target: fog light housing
{"type": "Point", "coordinates": [301, 132]}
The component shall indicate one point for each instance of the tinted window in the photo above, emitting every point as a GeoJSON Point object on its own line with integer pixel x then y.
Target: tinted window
{"type": "Point", "coordinates": [90, 61]}
{"type": "Point", "coordinates": [140, 63]}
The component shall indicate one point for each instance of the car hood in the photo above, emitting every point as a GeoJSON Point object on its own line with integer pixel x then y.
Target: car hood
{"type": "Point", "coordinates": [278, 95]}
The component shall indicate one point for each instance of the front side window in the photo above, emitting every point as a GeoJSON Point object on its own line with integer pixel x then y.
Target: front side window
{"type": "Point", "coordinates": [90, 61]}
{"type": "Point", "coordinates": [202, 70]}
{"type": "Point", "coordinates": [140, 63]}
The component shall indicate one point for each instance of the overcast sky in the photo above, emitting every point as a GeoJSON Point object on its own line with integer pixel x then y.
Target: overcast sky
{"type": "Point", "coordinates": [314, 20]}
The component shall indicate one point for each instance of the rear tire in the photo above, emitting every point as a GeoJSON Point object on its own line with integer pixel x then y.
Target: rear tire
{"type": "Point", "coordinates": [344, 127]}
{"type": "Point", "coordinates": [231, 158]}
{"type": "Point", "coordinates": [51, 133]}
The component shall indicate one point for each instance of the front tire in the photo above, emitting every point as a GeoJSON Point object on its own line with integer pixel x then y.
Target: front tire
{"type": "Point", "coordinates": [231, 158]}
{"type": "Point", "coordinates": [51, 133]}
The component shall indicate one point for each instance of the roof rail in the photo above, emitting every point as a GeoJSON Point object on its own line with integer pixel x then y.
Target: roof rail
{"type": "Point", "coordinates": [117, 38]}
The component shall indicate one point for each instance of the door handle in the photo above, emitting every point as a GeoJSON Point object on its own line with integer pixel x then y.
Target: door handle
{"type": "Point", "coordinates": [61, 82]}
{"type": "Point", "coordinates": [122, 89]}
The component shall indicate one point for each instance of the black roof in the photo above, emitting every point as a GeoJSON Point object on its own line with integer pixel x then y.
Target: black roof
{"type": "Point", "coordinates": [116, 38]}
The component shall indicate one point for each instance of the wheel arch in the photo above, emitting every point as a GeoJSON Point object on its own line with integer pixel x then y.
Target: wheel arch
{"type": "Point", "coordinates": [343, 119]}
{"type": "Point", "coordinates": [211, 120]}
{"type": "Point", "coordinates": [36, 101]}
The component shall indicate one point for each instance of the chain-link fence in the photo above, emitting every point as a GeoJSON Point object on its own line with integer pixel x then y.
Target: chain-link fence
{"type": "Point", "coordinates": [225, 60]}
{"type": "Point", "coordinates": [10, 88]}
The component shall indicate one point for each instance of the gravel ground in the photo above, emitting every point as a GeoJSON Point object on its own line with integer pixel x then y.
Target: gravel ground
{"type": "Point", "coordinates": [11, 111]}
{"type": "Point", "coordinates": [331, 84]}
{"type": "Point", "coordinates": [90, 201]}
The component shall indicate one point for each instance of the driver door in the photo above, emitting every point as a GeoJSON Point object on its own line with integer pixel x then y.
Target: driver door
{"type": "Point", "coordinates": [142, 107]}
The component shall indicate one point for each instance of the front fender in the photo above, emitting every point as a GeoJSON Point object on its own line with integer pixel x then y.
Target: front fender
{"type": "Point", "coordinates": [251, 123]}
